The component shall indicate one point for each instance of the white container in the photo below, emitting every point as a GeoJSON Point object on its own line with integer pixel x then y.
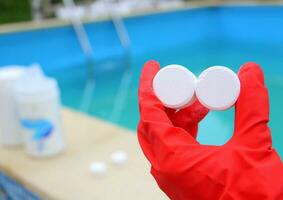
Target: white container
{"type": "Point", "coordinates": [174, 86]}
{"type": "Point", "coordinates": [218, 88]}
{"type": "Point", "coordinates": [9, 123]}
{"type": "Point", "coordinates": [39, 111]}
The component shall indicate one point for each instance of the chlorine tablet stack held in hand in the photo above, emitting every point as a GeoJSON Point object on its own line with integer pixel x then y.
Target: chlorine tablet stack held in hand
{"type": "Point", "coordinates": [174, 86]}
{"type": "Point", "coordinates": [218, 88]}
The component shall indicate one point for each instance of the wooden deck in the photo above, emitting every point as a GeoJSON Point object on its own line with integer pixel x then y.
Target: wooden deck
{"type": "Point", "coordinates": [67, 175]}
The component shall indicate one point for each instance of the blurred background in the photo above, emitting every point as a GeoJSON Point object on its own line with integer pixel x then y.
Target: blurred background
{"type": "Point", "coordinates": [95, 49]}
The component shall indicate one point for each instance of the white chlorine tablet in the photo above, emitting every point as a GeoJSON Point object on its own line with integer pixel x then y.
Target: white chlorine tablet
{"type": "Point", "coordinates": [218, 88]}
{"type": "Point", "coordinates": [174, 86]}
{"type": "Point", "coordinates": [119, 157]}
{"type": "Point", "coordinates": [98, 168]}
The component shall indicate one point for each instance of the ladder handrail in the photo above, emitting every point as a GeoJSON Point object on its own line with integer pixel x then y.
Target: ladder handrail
{"type": "Point", "coordinates": [127, 76]}
{"type": "Point", "coordinates": [121, 31]}
{"type": "Point", "coordinates": [120, 28]}
{"type": "Point", "coordinates": [80, 30]}
{"type": "Point", "coordinates": [87, 49]}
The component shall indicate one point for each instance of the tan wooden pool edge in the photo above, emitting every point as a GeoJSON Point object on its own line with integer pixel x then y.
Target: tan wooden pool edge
{"type": "Point", "coordinates": [24, 183]}
{"type": "Point", "coordinates": [66, 176]}
{"type": "Point", "coordinates": [49, 23]}
{"type": "Point", "coordinates": [30, 186]}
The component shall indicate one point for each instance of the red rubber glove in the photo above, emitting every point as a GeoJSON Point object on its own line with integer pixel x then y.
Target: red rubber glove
{"type": "Point", "coordinates": [247, 167]}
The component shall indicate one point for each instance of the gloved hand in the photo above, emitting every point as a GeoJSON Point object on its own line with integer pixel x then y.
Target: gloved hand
{"type": "Point", "coordinates": [246, 167]}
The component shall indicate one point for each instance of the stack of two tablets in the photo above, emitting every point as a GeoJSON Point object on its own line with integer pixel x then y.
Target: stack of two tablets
{"type": "Point", "coordinates": [217, 88]}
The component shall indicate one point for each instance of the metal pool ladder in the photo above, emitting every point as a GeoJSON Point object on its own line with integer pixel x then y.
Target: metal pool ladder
{"type": "Point", "coordinates": [88, 51]}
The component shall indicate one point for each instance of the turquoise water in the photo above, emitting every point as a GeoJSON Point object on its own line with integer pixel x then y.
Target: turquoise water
{"type": "Point", "coordinates": [196, 38]}
{"type": "Point", "coordinates": [217, 127]}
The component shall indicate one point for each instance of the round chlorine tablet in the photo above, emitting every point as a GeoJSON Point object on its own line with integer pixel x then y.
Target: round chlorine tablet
{"type": "Point", "coordinates": [98, 168]}
{"type": "Point", "coordinates": [119, 157]}
{"type": "Point", "coordinates": [218, 88]}
{"type": "Point", "coordinates": [174, 86]}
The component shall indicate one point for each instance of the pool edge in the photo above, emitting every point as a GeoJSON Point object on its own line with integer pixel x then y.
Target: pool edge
{"type": "Point", "coordinates": [53, 23]}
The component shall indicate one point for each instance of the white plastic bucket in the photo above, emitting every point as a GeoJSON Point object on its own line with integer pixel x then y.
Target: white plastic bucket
{"type": "Point", "coordinates": [9, 122]}
{"type": "Point", "coordinates": [38, 107]}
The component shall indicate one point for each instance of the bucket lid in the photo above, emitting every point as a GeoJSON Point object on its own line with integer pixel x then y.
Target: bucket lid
{"type": "Point", "coordinates": [11, 73]}
{"type": "Point", "coordinates": [33, 85]}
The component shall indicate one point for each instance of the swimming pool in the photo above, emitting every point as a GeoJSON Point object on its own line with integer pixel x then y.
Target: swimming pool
{"type": "Point", "coordinates": [196, 38]}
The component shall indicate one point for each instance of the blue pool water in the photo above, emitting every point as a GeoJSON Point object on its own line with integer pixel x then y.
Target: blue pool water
{"type": "Point", "coordinates": [196, 38]}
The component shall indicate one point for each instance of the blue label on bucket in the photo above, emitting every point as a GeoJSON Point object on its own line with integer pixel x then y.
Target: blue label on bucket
{"type": "Point", "coordinates": [42, 128]}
